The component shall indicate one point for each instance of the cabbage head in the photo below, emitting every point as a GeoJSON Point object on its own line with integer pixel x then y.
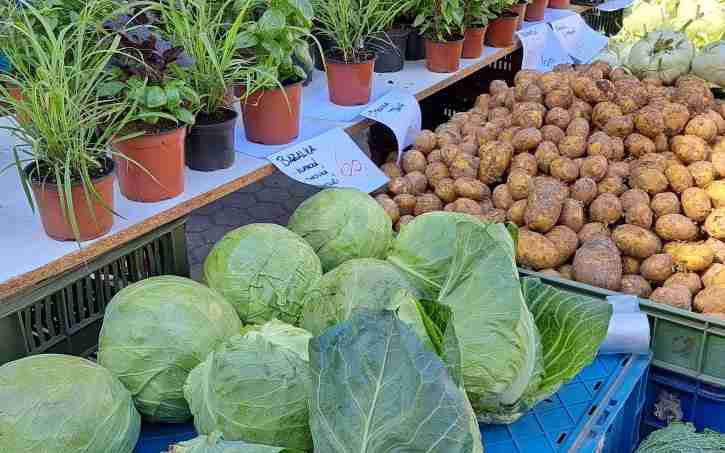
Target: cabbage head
{"type": "Point", "coordinates": [343, 224]}
{"type": "Point", "coordinates": [63, 404]}
{"type": "Point", "coordinates": [214, 443]}
{"type": "Point", "coordinates": [662, 54]}
{"type": "Point", "coordinates": [703, 20]}
{"type": "Point", "coordinates": [264, 270]}
{"type": "Point", "coordinates": [644, 16]}
{"type": "Point", "coordinates": [255, 388]}
{"type": "Point", "coordinates": [681, 437]}
{"type": "Point", "coordinates": [155, 332]}
{"type": "Point", "coordinates": [709, 64]}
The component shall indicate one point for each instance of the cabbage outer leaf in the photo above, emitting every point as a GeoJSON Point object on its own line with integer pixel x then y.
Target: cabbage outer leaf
{"type": "Point", "coordinates": [682, 438]}
{"type": "Point", "coordinates": [214, 443]}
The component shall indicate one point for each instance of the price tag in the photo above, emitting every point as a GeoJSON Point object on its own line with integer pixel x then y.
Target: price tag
{"type": "Point", "coordinates": [577, 38]}
{"type": "Point", "coordinates": [332, 159]}
{"type": "Point", "coordinates": [542, 51]}
{"type": "Point", "coordinates": [399, 111]}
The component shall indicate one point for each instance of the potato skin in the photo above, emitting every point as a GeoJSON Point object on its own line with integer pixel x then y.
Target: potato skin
{"type": "Point", "coordinates": [638, 145]}
{"type": "Point", "coordinates": [711, 300]}
{"type": "Point", "coordinates": [565, 240]}
{"type": "Point", "coordinates": [676, 227]}
{"type": "Point", "coordinates": [495, 159]}
{"type": "Point", "coordinates": [595, 167]}
{"type": "Point", "coordinates": [551, 133]}
{"type": "Point", "coordinates": [636, 241]}
{"type": "Point", "coordinates": [573, 146]}
{"type": "Point", "coordinates": [619, 126]}
{"type": "Point", "coordinates": [691, 256]}
{"type": "Point", "coordinates": [564, 169]}
{"type": "Point", "coordinates": [544, 204]}
{"type": "Point", "coordinates": [599, 263]}
{"type": "Point", "coordinates": [445, 189]}
{"type": "Point", "coordinates": [606, 209]}
{"type": "Point", "coordinates": [526, 139]}
{"type": "Point", "coordinates": [391, 170]}
{"type": "Point", "coordinates": [426, 141]}
{"type": "Point", "coordinates": [640, 215]}
{"type": "Point", "coordinates": [546, 153]}
{"type": "Point", "coordinates": [689, 280]}
{"type": "Point", "coordinates": [674, 296]}
{"type": "Point", "coordinates": [636, 285]}
{"type": "Point", "coordinates": [516, 212]}
{"type": "Point", "coordinates": [703, 173]}
{"type": "Point", "coordinates": [657, 268]}
{"type": "Point", "coordinates": [679, 177]}
{"type": "Point", "coordinates": [696, 204]}
{"type": "Point", "coordinates": [649, 121]}
{"type": "Point", "coordinates": [633, 197]}
{"type": "Point", "coordinates": [592, 231]}
{"type": "Point", "coordinates": [650, 180]}
{"type": "Point", "coordinates": [501, 197]}
{"type": "Point", "coordinates": [436, 171]}
{"type": "Point", "coordinates": [689, 148]}
{"type": "Point", "coordinates": [535, 251]}
{"type": "Point", "coordinates": [406, 203]}
{"type": "Point", "coordinates": [572, 214]}
{"type": "Point", "coordinates": [716, 191]}
{"type": "Point", "coordinates": [518, 182]}
{"type": "Point", "coordinates": [414, 160]}
{"type": "Point", "coordinates": [702, 126]}
{"type": "Point", "coordinates": [578, 127]}
{"type": "Point", "coordinates": [611, 184]}
{"type": "Point", "coordinates": [665, 203]}
{"type": "Point", "coordinates": [526, 162]}
{"type": "Point", "coordinates": [471, 188]}
{"type": "Point", "coordinates": [427, 202]}
{"type": "Point", "coordinates": [402, 221]}
{"type": "Point", "coordinates": [714, 276]}
{"type": "Point", "coordinates": [715, 224]}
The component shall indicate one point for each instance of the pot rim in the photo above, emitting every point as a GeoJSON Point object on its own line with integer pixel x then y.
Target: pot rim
{"type": "Point", "coordinates": [156, 134]}
{"type": "Point", "coordinates": [506, 15]}
{"type": "Point", "coordinates": [233, 118]}
{"type": "Point", "coordinates": [433, 41]}
{"type": "Point", "coordinates": [46, 185]}
{"type": "Point", "coordinates": [333, 60]}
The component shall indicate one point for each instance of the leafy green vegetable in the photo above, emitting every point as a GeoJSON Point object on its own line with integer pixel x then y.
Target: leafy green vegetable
{"type": "Point", "coordinates": [342, 224]}
{"type": "Point", "coordinates": [703, 20]}
{"type": "Point", "coordinates": [214, 443]}
{"type": "Point", "coordinates": [710, 63]}
{"type": "Point", "coordinates": [156, 331]}
{"type": "Point", "coordinates": [376, 388]}
{"type": "Point", "coordinates": [264, 270]}
{"type": "Point", "coordinates": [255, 388]}
{"type": "Point", "coordinates": [64, 404]}
{"type": "Point", "coordinates": [682, 438]}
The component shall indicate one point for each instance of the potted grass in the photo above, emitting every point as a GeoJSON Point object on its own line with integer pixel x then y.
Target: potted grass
{"type": "Point", "coordinates": [350, 25]}
{"type": "Point", "coordinates": [390, 46]}
{"type": "Point", "coordinates": [277, 44]}
{"type": "Point", "coordinates": [63, 160]}
{"type": "Point", "coordinates": [150, 72]}
{"type": "Point", "coordinates": [441, 22]}
{"type": "Point", "coordinates": [475, 19]}
{"type": "Point", "coordinates": [209, 31]}
{"type": "Point", "coordinates": [502, 30]}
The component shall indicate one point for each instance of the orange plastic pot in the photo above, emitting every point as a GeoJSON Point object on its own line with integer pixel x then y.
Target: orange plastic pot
{"type": "Point", "coordinates": [559, 4]}
{"type": "Point", "coordinates": [93, 220]}
{"type": "Point", "coordinates": [444, 57]}
{"type": "Point", "coordinates": [349, 83]}
{"type": "Point", "coordinates": [473, 42]}
{"type": "Point", "coordinates": [502, 31]}
{"type": "Point", "coordinates": [272, 117]}
{"type": "Point", "coordinates": [151, 167]}
{"type": "Point", "coordinates": [520, 10]}
{"type": "Point", "coordinates": [536, 9]}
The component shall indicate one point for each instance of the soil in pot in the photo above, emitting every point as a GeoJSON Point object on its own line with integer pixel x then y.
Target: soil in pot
{"type": "Point", "coordinates": [536, 9]}
{"type": "Point", "coordinates": [151, 167]}
{"type": "Point", "coordinates": [502, 30]}
{"type": "Point", "coordinates": [473, 42]}
{"type": "Point", "coordinates": [520, 10]}
{"type": "Point", "coordinates": [93, 220]}
{"type": "Point", "coordinates": [415, 49]}
{"type": "Point", "coordinates": [444, 57]}
{"type": "Point", "coordinates": [390, 50]}
{"type": "Point", "coordinates": [272, 116]}
{"type": "Point", "coordinates": [210, 142]}
{"type": "Point", "coordinates": [559, 4]}
{"type": "Point", "coordinates": [350, 83]}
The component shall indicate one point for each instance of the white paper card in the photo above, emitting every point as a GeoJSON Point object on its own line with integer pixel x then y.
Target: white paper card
{"type": "Point", "coordinates": [578, 38]}
{"type": "Point", "coordinates": [542, 50]}
{"type": "Point", "coordinates": [629, 331]}
{"type": "Point", "coordinates": [399, 111]}
{"type": "Point", "coordinates": [614, 5]}
{"type": "Point", "coordinates": [331, 159]}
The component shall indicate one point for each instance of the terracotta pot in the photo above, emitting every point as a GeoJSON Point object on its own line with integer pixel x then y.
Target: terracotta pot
{"type": "Point", "coordinates": [93, 220]}
{"type": "Point", "coordinates": [520, 10]}
{"type": "Point", "coordinates": [473, 42]}
{"type": "Point", "coordinates": [154, 168]}
{"type": "Point", "coordinates": [502, 31]}
{"type": "Point", "coordinates": [536, 9]}
{"type": "Point", "coordinates": [559, 4]}
{"type": "Point", "coordinates": [444, 57]}
{"type": "Point", "coordinates": [272, 117]}
{"type": "Point", "coordinates": [349, 83]}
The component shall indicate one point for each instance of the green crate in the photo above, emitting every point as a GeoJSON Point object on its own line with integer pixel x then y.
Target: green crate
{"type": "Point", "coordinates": [684, 342]}
{"type": "Point", "coordinates": [63, 315]}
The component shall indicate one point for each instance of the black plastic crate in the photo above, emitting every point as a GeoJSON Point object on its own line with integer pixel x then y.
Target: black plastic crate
{"type": "Point", "coordinates": [607, 23]}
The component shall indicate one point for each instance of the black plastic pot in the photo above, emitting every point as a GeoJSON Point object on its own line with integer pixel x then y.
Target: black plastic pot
{"type": "Point", "coordinates": [210, 144]}
{"type": "Point", "coordinates": [415, 49]}
{"type": "Point", "coordinates": [390, 49]}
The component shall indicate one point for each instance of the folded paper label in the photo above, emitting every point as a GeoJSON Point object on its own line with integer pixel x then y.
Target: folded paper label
{"type": "Point", "coordinates": [542, 50]}
{"type": "Point", "coordinates": [629, 331]}
{"type": "Point", "coordinates": [400, 112]}
{"type": "Point", "coordinates": [577, 38]}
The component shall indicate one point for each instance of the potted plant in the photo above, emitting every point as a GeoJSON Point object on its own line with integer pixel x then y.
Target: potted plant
{"type": "Point", "coordinates": [349, 25]}
{"type": "Point", "coordinates": [559, 4]}
{"type": "Point", "coordinates": [502, 30]}
{"type": "Point", "coordinates": [63, 160]}
{"type": "Point", "coordinates": [441, 22]}
{"type": "Point", "coordinates": [150, 73]}
{"type": "Point", "coordinates": [277, 44]}
{"type": "Point", "coordinates": [519, 8]}
{"type": "Point", "coordinates": [536, 9]}
{"type": "Point", "coordinates": [475, 18]}
{"type": "Point", "coordinates": [391, 46]}
{"type": "Point", "coordinates": [209, 31]}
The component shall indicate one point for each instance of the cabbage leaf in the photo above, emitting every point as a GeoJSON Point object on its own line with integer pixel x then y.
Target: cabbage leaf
{"type": "Point", "coordinates": [682, 438]}
{"type": "Point", "coordinates": [214, 443]}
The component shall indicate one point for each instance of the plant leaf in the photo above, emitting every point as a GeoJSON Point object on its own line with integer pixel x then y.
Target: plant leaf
{"type": "Point", "coordinates": [110, 89]}
{"type": "Point", "coordinates": [272, 19]}
{"type": "Point", "coordinates": [155, 97]}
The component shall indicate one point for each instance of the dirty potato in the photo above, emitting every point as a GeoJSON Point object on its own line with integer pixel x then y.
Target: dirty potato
{"type": "Point", "coordinates": [657, 268]}
{"type": "Point", "coordinates": [665, 203]}
{"type": "Point", "coordinates": [573, 214]}
{"type": "Point", "coordinates": [606, 209]}
{"type": "Point", "coordinates": [545, 201]}
{"type": "Point", "coordinates": [696, 204]}
{"type": "Point", "coordinates": [636, 241]}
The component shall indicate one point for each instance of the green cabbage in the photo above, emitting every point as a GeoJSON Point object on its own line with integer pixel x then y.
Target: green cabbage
{"type": "Point", "coordinates": [343, 224]}
{"type": "Point", "coordinates": [255, 388]}
{"type": "Point", "coordinates": [710, 63]}
{"type": "Point", "coordinates": [682, 438]}
{"type": "Point", "coordinates": [662, 54]}
{"type": "Point", "coordinates": [703, 20]}
{"type": "Point", "coordinates": [64, 404]}
{"type": "Point", "coordinates": [155, 332]}
{"type": "Point", "coordinates": [264, 270]}
{"type": "Point", "coordinates": [214, 443]}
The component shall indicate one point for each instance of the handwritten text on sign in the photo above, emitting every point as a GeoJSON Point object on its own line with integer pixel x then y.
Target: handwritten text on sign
{"type": "Point", "coordinates": [542, 51]}
{"type": "Point", "coordinates": [399, 111]}
{"type": "Point", "coordinates": [578, 38]}
{"type": "Point", "coordinates": [330, 160]}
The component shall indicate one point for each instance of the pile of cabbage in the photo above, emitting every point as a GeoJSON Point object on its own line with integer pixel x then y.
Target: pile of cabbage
{"type": "Point", "coordinates": [328, 336]}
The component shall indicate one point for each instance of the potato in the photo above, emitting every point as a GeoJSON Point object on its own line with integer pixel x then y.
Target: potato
{"type": "Point", "coordinates": [650, 180]}
{"type": "Point", "coordinates": [718, 119]}
{"type": "Point", "coordinates": [488, 133]}
{"type": "Point", "coordinates": [535, 251]}
{"type": "Point", "coordinates": [427, 202]}
{"type": "Point", "coordinates": [495, 159]}
{"type": "Point", "coordinates": [559, 98]}
{"type": "Point", "coordinates": [551, 133]}
{"type": "Point", "coordinates": [649, 121]}
{"type": "Point", "coordinates": [679, 177]}
{"type": "Point", "coordinates": [526, 162]}
{"type": "Point", "coordinates": [406, 203]}
{"type": "Point", "coordinates": [390, 207]}
{"type": "Point", "coordinates": [665, 203]}
{"type": "Point", "coordinates": [402, 221]}
{"type": "Point", "coordinates": [696, 204]}
{"type": "Point", "coordinates": [676, 117]}
{"type": "Point", "coordinates": [635, 285]}
{"type": "Point", "coordinates": [550, 81]}
{"type": "Point", "coordinates": [572, 214]}
{"type": "Point", "coordinates": [445, 190]}
{"type": "Point", "coordinates": [603, 112]}
{"type": "Point", "coordinates": [502, 198]}
{"type": "Point", "coordinates": [471, 188]}
{"type": "Point", "coordinates": [426, 141]}
{"type": "Point", "coordinates": [584, 190]}
{"type": "Point", "coordinates": [676, 227]}
{"type": "Point", "coordinates": [619, 126]}
{"type": "Point", "coordinates": [507, 135]}
{"type": "Point", "coordinates": [466, 206]}
{"type": "Point", "coordinates": [573, 146]}
{"type": "Point", "coordinates": [526, 76]}
{"type": "Point", "coordinates": [718, 162]}
{"type": "Point", "coordinates": [463, 167]}
{"type": "Point", "coordinates": [711, 300]}
{"type": "Point", "coordinates": [716, 191]}
{"type": "Point", "coordinates": [715, 223]}
{"type": "Point", "coordinates": [593, 230]}
{"type": "Point", "coordinates": [618, 169]}
{"type": "Point", "coordinates": [689, 148]}
{"type": "Point", "coordinates": [516, 212]}
{"type": "Point", "coordinates": [702, 126]}
{"type": "Point", "coordinates": [714, 276]}
{"type": "Point", "coordinates": [400, 185]}
{"type": "Point", "coordinates": [703, 173]}
{"type": "Point", "coordinates": [459, 118]}
{"type": "Point", "coordinates": [493, 215]}
{"type": "Point", "coordinates": [482, 102]}
{"type": "Point", "coordinates": [636, 241]}
{"type": "Point", "coordinates": [611, 184]}
{"type": "Point", "coordinates": [391, 170]}
{"type": "Point", "coordinates": [606, 209]}
{"type": "Point", "coordinates": [657, 268]}
{"type": "Point", "coordinates": [674, 296]}
{"type": "Point", "coordinates": [578, 127]}
{"type": "Point", "coordinates": [546, 153]}
{"type": "Point", "coordinates": [633, 197]}
{"type": "Point", "coordinates": [718, 248]}
{"type": "Point", "coordinates": [559, 117]}
{"type": "Point", "coordinates": [564, 169]}
{"type": "Point", "coordinates": [565, 240]}
{"type": "Point", "coordinates": [617, 149]}
{"type": "Point", "coordinates": [566, 271]}
{"type": "Point", "coordinates": [654, 161]}
{"type": "Point", "coordinates": [638, 145]}
{"type": "Point", "coordinates": [594, 167]}
{"type": "Point", "coordinates": [529, 119]}
{"type": "Point", "coordinates": [640, 215]}
{"type": "Point", "coordinates": [526, 139]}
{"type": "Point", "coordinates": [600, 144]}
{"type": "Point", "coordinates": [449, 153]}
{"type": "Point", "coordinates": [414, 160]}
{"type": "Point", "coordinates": [630, 265]}
{"type": "Point", "coordinates": [688, 280]}
{"type": "Point", "coordinates": [598, 263]}
{"type": "Point", "coordinates": [487, 205]}
{"type": "Point", "coordinates": [580, 109]}
{"type": "Point", "coordinates": [435, 156]}
{"type": "Point", "coordinates": [545, 201]}
{"type": "Point", "coordinates": [498, 87]}
{"type": "Point", "coordinates": [662, 143]}
{"type": "Point", "coordinates": [691, 256]}
{"type": "Point", "coordinates": [436, 171]}
{"type": "Point", "coordinates": [518, 182]}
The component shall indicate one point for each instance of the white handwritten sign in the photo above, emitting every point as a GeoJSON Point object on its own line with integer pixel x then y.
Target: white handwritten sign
{"type": "Point", "coordinates": [542, 51]}
{"type": "Point", "coordinates": [399, 111]}
{"type": "Point", "coordinates": [578, 39]}
{"type": "Point", "coordinates": [329, 160]}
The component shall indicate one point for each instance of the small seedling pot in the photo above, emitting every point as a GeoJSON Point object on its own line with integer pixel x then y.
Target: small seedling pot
{"type": "Point", "coordinates": [272, 116]}
{"type": "Point", "coordinates": [390, 50]}
{"type": "Point", "coordinates": [502, 30]}
{"type": "Point", "coordinates": [151, 167]}
{"type": "Point", "coordinates": [559, 4]}
{"type": "Point", "coordinates": [210, 142]}
{"type": "Point", "coordinates": [444, 56]}
{"type": "Point", "coordinates": [473, 42]}
{"type": "Point", "coordinates": [415, 49]}
{"type": "Point", "coordinates": [349, 83]}
{"type": "Point", "coordinates": [536, 9]}
{"type": "Point", "coordinates": [520, 10]}
{"type": "Point", "coordinates": [94, 219]}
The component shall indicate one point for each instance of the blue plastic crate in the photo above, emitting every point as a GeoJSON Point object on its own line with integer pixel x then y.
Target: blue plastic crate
{"type": "Point", "coordinates": [156, 438]}
{"type": "Point", "coordinates": [599, 410]}
{"type": "Point", "coordinates": [673, 396]}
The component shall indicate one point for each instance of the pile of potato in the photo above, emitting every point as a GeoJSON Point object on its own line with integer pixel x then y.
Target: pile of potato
{"type": "Point", "coordinates": [615, 182]}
